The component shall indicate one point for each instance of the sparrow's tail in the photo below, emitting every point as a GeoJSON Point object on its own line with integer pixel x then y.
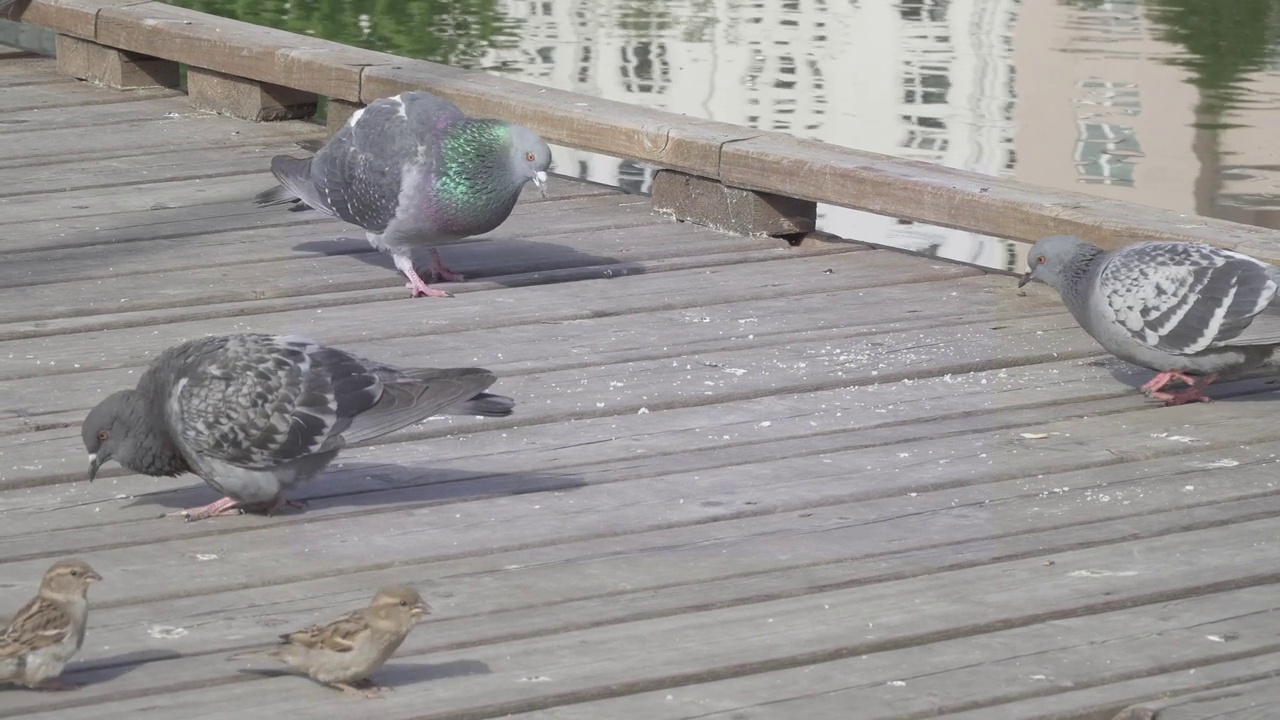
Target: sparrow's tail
{"type": "Point", "coordinates": [270, 653]}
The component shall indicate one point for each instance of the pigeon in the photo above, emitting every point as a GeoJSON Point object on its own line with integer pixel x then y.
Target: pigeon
{"type": "Point", "coordinates": [1191, 312]}
{"type": "Point", "coordinates": [343, 653]}
{"type": "Point", "coordinates": [254, 414]}
{"type": "Point", "coordinates": [413, 171]}
{"type": "Point", "coordinates": [41, 637]}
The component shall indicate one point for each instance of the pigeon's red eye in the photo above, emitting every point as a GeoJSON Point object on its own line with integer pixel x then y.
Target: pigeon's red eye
{"type": "Point", "coordinates": [102, 436]}
{"type": "Point", "coordinates": [529, 156]}
{"type": "Point", "coordinates": [1040, 259]}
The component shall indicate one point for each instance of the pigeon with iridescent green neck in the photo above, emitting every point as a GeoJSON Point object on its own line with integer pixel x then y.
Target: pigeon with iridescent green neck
{"type": "Point", "coordinates": [413, 171]}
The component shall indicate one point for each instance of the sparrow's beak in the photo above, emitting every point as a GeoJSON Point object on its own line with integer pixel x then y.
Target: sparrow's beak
{"type": "Point", "coordinates": [94, 464]}
{"type": "Point", "coordinates": [419, 610]}
{"type": "Point", "coordinates": [92, 577]}
{"type": "Point", "coordinates": [540, 179]}
{"type": "Point", "coordinates": [1026, 278]}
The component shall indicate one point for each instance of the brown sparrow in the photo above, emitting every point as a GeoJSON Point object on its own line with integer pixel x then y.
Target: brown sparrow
{"type": "Point", "coordinates": [343, 653]}
{"type": "Point", "coordinates": [41, 637]}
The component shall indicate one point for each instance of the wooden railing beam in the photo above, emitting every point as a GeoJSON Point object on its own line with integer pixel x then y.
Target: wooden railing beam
{"type": "Point", "coordinates": [766, 163]}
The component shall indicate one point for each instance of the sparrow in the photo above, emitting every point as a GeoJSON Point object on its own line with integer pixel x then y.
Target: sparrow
{"type": "Point", "coordinates": [41, 637]}
{"type": "Point", "coordinates": [343, 653]}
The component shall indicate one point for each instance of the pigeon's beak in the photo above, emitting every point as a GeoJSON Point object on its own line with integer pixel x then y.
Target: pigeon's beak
{"type": "Point", "coordinates": [1026, 278]}
{"type": "Point", "coordinates": [94, 464]}
{"type": "Point", "coordinates": [540, 179]}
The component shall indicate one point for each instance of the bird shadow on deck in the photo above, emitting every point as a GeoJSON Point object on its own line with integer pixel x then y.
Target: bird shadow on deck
{"type": "Point", "coordinates": [505, 261]}
{"type": "Point", "coordinates": [108, 669]}
{"type": "Point", "coordinates": [356, 485]}
{"type": "Point", "coordinates": [1250, 387]}
{"type": "Point", "coordinates": [395, 674]}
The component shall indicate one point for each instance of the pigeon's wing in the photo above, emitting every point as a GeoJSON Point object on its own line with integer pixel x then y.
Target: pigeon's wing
{"type": "Point", "coordinates": [38, 624]}
{"type": "Point", "coordinates": [411, 395]}
{"type": "Point", "coordinates": [360, 175]}
{"type": "Point", "coordinates": [1184, 298]}
{"type": "Point", "coordinates": [337, 636]}
{"type": "Point", "coordinates": [257, 401]}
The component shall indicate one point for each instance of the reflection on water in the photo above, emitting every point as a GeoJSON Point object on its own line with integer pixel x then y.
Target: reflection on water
{"type": "Point", "coordinates": [1169, 103]}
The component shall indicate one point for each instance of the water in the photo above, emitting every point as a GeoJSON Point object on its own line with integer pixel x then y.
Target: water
{"type": "Point", "coordinates": [1169, 103]}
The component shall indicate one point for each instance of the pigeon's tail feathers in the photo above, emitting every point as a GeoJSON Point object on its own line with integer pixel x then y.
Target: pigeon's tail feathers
{"type": "Point", "coordinates": [278, 195]}
{"type": "Point", "coordinates": [294, 175]}
{"type": "Point", "coordinates": [486, 404]}
{"type": "Point", "coordinates": [414, 396]}
{"type": "Point", "coordinates": [1264, 330]}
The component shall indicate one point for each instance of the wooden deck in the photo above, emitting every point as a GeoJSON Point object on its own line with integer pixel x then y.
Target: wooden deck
{"type": "Point", "coordinates": [743, 481]}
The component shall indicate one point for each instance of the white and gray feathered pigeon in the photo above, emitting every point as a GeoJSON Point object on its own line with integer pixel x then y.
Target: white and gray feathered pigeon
{"type": "Point", "coordinates": [413, 171]}
{"type": "Point", "coordinates": [1191, 312]}
{"type": "Point", "coordinates": [254, 414]}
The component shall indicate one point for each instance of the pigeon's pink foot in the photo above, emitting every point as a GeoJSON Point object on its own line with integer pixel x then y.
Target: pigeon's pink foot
{"type": "Point", "coordinates": [1164, 378]}
{"type": "Point", "coordinates": [440, 273]}
{"type": "Point", "coordinates": [1195, 393]}
{"type": "Point", "coordinates": [218, 508]}
{"type": "Point", "coordinates": [417, 288]}
{"type": "Point", "coordinates": [421, 289]}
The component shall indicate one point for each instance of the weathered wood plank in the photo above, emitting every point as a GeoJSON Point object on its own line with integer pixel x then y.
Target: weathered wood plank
{"type": "Point", "coordinates": [19, 68]}
{"type": "Point", "coordinates": [71, 95]}
{"type": "Point", "coordinates": [986, 672]}
{"type": "Point", "coordinates": [1104, 701]}
{"type": "Point", "coordinates": [195, 222]}
{"type": "Point", "coordinates": [142, 136]}
{"type": "Point", "coordinates": [129, 284]}
{"type": "Point", "coordinates": [709, 644]}
{"type": "Point", "coordinates": [953, 500]}
{"type": "Point", "coordinates": [81, 390]}
{"type": "Point", "coordinates": [1258, 700]}
{"type": "Point", "coordinates": [958, 453]}
{"type": "Point", "coordinates": [466, 334]}
{"type": "Point", "coordinates": [195, 162]}
{"type": "Point", "coordinates": [162, 109]}
{"type": "Point", "coordinates": [789, 416]}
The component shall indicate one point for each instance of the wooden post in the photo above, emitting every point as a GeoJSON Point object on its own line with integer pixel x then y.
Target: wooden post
{"type": "Point", "coordinates": [113, 68]}
{"type": "Point", "coordinates": [704, 201]}
{"type": "Point", "coordinates": [246, 99]}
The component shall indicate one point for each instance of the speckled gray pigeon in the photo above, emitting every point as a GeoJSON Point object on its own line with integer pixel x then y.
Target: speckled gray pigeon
{"type": "Point", "coordinates": [254, 414]}
{"type": "Point", "coordinates": [1190, 312]}
{"type": "Point", "coordinates": [413, 171]}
